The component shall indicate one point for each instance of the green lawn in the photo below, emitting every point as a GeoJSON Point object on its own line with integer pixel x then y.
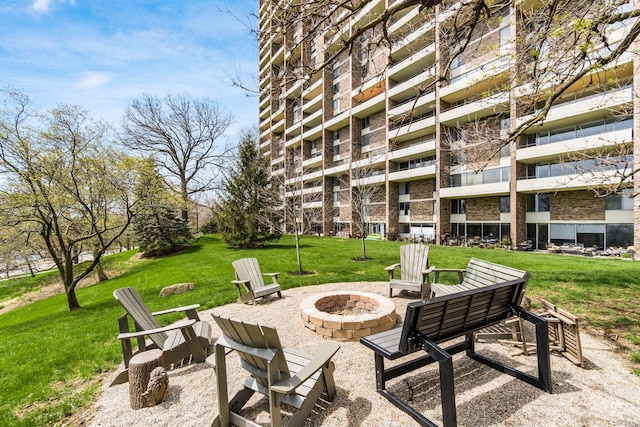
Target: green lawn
{"type": "Point", "coordinates": [51, 357]}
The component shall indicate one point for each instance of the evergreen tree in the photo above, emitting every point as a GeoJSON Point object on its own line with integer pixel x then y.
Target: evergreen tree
{"type": "Point", "coordinates": [158, 228]}
{"type": "Point", "coordinates": [248, 214]}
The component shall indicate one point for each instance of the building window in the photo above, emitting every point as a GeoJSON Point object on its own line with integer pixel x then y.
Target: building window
{"type": "Point", "coordinates": [336, 106]}
{"type": "Point", "coordinates": [336, 137]}
{"type": "Point", "coordinates": [336, 150]}
{"type": "Point", "coordinates": [403, 208]}
{"type": "Point", "coordinates": [295, 111]}
{"type": "Point", "coordinates": [458, 206]}
{"type": "Point", "coordinates": [336, 88]}
{"type": "Point", "coordinates": [458, 61]}
{"type": "Point", "coordinates": [505, 204]}
{"type": "Point", "coordinates": [365, 140]}
{"type": "Point", "coordinates": [403, 188]}
{"type": "Point", "coordinates": [365, 123]}
{"type": "Point", "coordinates": [622, 201]}
{"type": "Point", "coordinates": [538, 203]}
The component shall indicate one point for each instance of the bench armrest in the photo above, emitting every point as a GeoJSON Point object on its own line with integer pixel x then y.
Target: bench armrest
{"type": "Point", "coordinates": [437, 271]}
{"type": "Point", "coordinates": [180, 325]}
{"type": "Point", "coordinates": [321, 357]}
{"type": "Point", "coordinates": [176, 310]}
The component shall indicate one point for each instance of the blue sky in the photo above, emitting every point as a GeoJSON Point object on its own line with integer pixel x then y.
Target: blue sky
{"type": "Point", "coordinates": [102, 54]}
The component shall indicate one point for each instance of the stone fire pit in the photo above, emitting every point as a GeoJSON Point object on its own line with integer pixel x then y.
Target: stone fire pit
{"type": "Point", "coordinates": [348, 315]}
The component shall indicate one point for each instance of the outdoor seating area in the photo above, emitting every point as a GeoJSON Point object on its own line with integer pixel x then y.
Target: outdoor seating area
{"type": "Point", "coordinates": [482, 394]}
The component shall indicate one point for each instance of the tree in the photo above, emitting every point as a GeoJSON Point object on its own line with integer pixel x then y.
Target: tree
{"type": "Point", "coordinates": [248, 212]}
{"type": "Point", "coordinates": [157, 227]}
{"type": "Point", "coordinates": [366, 196]}
{"type": "Point", "coordinates": [298, 218]}
{"type": "Point", "coordinates": [184, 137]}
{"type": "Point", "coordinates": [63, 182]}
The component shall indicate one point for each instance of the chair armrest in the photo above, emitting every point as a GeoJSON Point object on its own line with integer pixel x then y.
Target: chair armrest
{"type": "Point", "coordinates": [392, 267]}
{"type": "Point", "coordinates": [240, 282]}
{"type": "Point", "coordinates": [176, 310]}
{"type": "Point", "coordinates": [179, 325]}
{"type": "Point", "coordinates": [322, 355]}
{"type": "Point", "coordinates": [274, 276]}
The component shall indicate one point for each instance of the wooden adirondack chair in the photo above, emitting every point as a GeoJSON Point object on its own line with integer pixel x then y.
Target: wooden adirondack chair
{"type": "Point", "coordinates": [564, 333]}
{"type": "Point", "coordinates": [249, 276]}
{"type": "Point", "coordinates": [179, 341]}
{"type": "Point", "coordinates": [414, 270]}
{"type": "Point", "coordinates": [285, 376]}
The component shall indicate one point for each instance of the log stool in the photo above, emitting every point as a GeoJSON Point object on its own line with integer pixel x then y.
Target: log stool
{"type": "Point", "coordinates": [148, 379]}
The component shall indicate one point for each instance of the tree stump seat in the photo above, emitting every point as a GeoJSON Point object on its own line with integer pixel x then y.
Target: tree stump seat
{"type": "Point", "coordinates": [148, 381]}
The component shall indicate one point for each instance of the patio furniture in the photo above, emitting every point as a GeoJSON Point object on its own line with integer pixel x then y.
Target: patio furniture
{"type": "Point", "coordinates": [564, 334]}
{"type": "Point", "coordinates": [430, 322]}
{"type": "Point", "coordinates": [284, 376]}
{"type": "Point", "coordinates": [479, 273]}
{"type": "Point", "coordinates": [414, 270]}
{"type": "Point", "coordinates": [248, 275]}
{"type": "Point", "coordinates": [188, 338]}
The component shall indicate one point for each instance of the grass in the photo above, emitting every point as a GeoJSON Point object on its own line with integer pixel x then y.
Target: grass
{"type": "Point", "coordinates": [52, 358]}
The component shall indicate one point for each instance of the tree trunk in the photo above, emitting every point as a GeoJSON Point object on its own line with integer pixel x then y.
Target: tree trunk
{"type": "Point", "coordinates": [102, 276]}
{"type": "Point", "coordinates": [72, 300]}
{"type": "Point", "coordinates": [298, 252]}
{"type": "Point", "coordinates": [364, 247]}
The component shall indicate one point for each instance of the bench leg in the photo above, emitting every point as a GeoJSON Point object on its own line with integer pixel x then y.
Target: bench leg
{"type": "Point", "coordinates": [447, 389]}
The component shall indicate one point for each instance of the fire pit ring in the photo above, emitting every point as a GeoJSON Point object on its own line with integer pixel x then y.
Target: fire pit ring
{"type": "Point", "coordinates": [347, 315]}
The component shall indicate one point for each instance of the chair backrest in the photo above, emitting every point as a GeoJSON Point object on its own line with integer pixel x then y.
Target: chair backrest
{"type": "Point", "coordinates": [414, 259]}
{"type": "Point", "coordinates": [450, 316]}
{"type": "Point", "coordinates": [248, 269]}
{"type": "Point", "coordinates": [130, 300]}
{"type": "Point", "coordinates": [483, 273]}
{"type": "Point", "coordinates": [255, 336]}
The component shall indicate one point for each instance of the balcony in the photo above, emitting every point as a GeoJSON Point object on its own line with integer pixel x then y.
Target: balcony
{"type": "Point", "coordinates": [475, 110]}
{"type": "Point", "coordinates": [312, 105]}
{"type": "Point", "coordinates": [338, 121]}
{"type": "Point", "coordinates": [567, 182]}
{"type": "Point", "coordinates": [408, 88]}
{"type": "Point", "coordinates": [423, 125]}
{"type": "Point", "coordinates": [550, 151]}
{"type": "Point", "coordinates": [413, 64]}
{"type": "Point", "coordinates": [414, 151]}
{"type": "Point", "coordinates": [425, 102]}
{"type": "Point", "coordinates": [493, 189]}
{"type": "Point", "coordinates": [587, 108]}
{"type": "Point", "coordinates": [413, 174]}
{"type": "Point", "coordinates": [313, 133]}
{"type": "Point", "coordinates": [370, 106]}
{"type": "Point", "coordinates": [476, 80]}
{"type": "Point", "coordinates": [313, 161]}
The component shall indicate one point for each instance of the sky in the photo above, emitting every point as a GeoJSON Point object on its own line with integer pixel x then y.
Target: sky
{"type": "Point", "coordinates": [103, 54]}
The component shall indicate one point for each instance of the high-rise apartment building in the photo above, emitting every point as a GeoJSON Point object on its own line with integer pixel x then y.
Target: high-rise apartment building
{"type": "Point", "coordinates": [377, 115]}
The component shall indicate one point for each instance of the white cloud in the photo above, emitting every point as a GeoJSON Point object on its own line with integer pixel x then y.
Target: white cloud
{"type": "Point", "coordinates": [93, 79]}
{"type": "Point", "coordinates": [43, 6]}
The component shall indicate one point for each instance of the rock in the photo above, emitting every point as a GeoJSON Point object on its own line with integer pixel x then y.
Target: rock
{"type": "Point", "coordinates": [176, 289]}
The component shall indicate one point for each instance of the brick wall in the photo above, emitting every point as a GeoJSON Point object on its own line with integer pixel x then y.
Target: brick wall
{"type": "Point", "coordinates": [576, 206]}
{"type": "Point", "coordinates": [483, 209]}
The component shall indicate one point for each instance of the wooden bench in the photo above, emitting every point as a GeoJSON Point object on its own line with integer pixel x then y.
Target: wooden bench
{"type": "Point", "coordinates": [479, 273]}
{"type": "Point", "coordinates": [430, 322]}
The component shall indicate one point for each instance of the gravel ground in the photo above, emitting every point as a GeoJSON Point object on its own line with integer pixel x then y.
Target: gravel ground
{"type": "Point", "coordinates": [603, 394]}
